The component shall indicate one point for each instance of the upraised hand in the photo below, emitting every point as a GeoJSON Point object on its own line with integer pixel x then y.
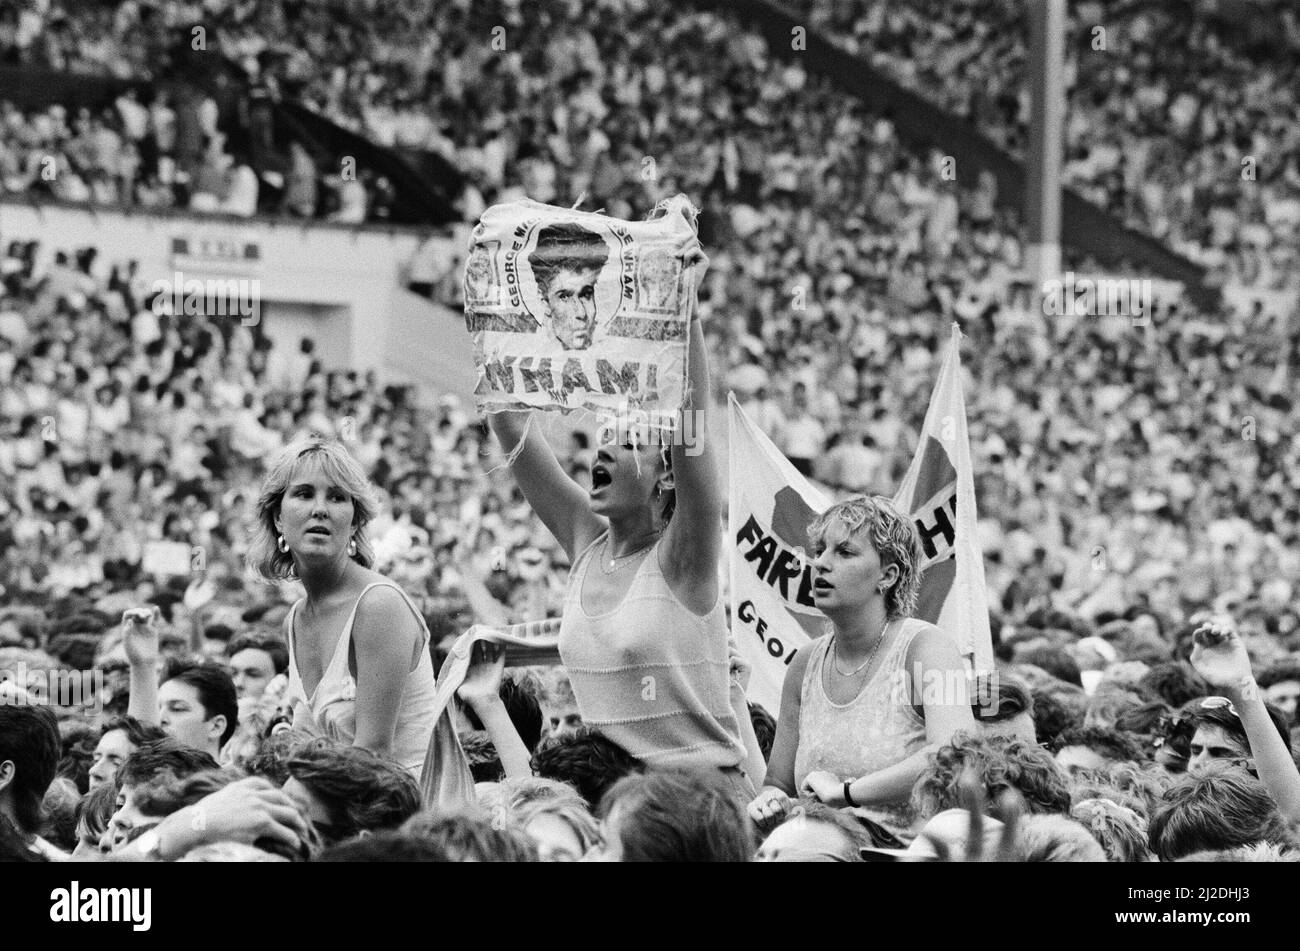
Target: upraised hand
{"type": "Point", "coordinates": [140, 635]}
{"type": "Point", "coordinates": [482, 683]}
{"type": "Point", "coordinates": [1220, 657]}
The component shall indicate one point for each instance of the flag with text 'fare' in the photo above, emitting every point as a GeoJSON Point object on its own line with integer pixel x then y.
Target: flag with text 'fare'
{"type": "Point", "coordinates": [772, 505]}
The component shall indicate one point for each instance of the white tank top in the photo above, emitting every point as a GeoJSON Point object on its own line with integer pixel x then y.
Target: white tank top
{"type": "Point", "coordinates": [333, 705]}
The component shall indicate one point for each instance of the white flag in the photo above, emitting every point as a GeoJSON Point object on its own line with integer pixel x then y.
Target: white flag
{"type": "Point", "coordinates": [773, 613]}
{"type": "Point", "coordinates": [771, 507]}
{"type": "Point", "coordinates": [939, 493]}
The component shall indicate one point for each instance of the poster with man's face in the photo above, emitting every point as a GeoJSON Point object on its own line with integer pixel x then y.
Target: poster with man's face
{"type": "Point", "coordinates": [572, 310]}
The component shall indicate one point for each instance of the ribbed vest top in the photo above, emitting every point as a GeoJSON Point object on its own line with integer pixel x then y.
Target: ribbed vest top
{"type": "Point", "coordinates": [651, 675]}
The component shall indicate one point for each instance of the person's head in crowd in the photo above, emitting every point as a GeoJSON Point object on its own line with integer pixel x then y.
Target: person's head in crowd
{"type": "Point", "coordinates": [22, 628]}
{"type": "Point", "coordinates": [77, 750]}
{"type": "Point", "coordinates": [1146, 622]}
{"type": "Point", "coordinates": [586, 759]}
{"type": "Point", "coordinates": [566, 263]}
{"type": "Point", "coordinates": [159, 798]}
{"type": "Point", "coordinates": [643, 819]}
{"type": "Point", "coordinates": [552, 814]}
{"type": "Point", "coordinates": [559, 705]}
{"type": "Point", "coordinates": [815, 832]}
{"type": "Point", "coordinates": [151, 762]}
{"type": "Point", "coordinates": [1056, 711]}
{"type": "Point", "coordinates": [1055, 838]}
{"type": "Point", "coordinates": [1144, 722]}
{"type": "Point", "coordinates": [118, 739]}
{"type": "Point", "coordinates": [29, 758]}
{"type": "Point", "coordinates": [1281, 685]}
{"type": "Point", "coordinates": [996, 764]}
{"type": "Point", "coordinates": [1055, 660]}
{"type": "Point", "coordinates": [197, 706]}
{"type": "Point", "coordinates": [1259, 852]}
{"type": "Point", "coordinates": [880, 552]}
{"type": "Point", "coordinates": [1141, 784]}
{"type": "Point", "coordinates": [1119, 830]}
{"type": "Point", "coordinates": [764, 729]}
{"type": "Point", "coordinates": [1223, 809]}
{"type": "Point", "coordinates": [1094, 748]}
{"type": "Point", "coordinates": [1219, 738]}
{"type": "Point", "coordinates": [1175, 683]}
{"type": "Point", "coordinates": [385, 847]}
{"type": "Point", "coordinates": [481, 754]}
{"type": "Point", "coordinates": [231, 852]}
{"type": "Point", "coordinates": [315, 504]}
{"type": "Point", "coordinates": [521, 693]}
{"type": "Point", "coordinates": [273, 754]}
{"type": "Point", "coordinates": [468, 835]}
{"type": "Point", "coordinates": [94, 811]}
{"type": "Point", "coordinates": [254, 663]}
{"type": "Point", "coordinates": [1109, 701]}
{"type": "Point", "coordinates": [346, 790]}
{"type": "Point", "coordinates": [59, 814]}
{"type": "Point", "coordinates": [1003, 706]}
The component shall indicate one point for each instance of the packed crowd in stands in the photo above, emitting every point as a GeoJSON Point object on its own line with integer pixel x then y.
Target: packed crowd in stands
{"type": "Point", "coordinates": [1170, 124]}
{"type": "Point", "coordinates": [1129, 482]}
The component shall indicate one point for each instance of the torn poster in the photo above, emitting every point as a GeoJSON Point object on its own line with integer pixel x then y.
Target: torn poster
{"type": "Point", "coordinates": [574, 310]}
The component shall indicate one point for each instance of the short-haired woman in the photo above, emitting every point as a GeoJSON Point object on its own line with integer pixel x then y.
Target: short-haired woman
{"type": "Point", "coordinates": [862, 708]}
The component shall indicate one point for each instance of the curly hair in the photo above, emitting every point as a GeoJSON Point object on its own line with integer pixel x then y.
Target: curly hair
{"type": "Point", "coordinates": [1110, 744]}
{"type": "Point", "coordinates": [1121, 831]}
{"type": "Point", "coordinates": [360, 790]}
{"type": "Point", "coordinates": [1053, 838]}
{"type": "Point", "coordinates": [588, 761]}
{"type": "Point", "coordinates": [1056, 711]}
{"type": "Point", "coordinates": [1220, 810]}
{"type": "Point", "coordinates": [265, 560]}
{"type": "Point", "coordinates": [996, 764]}
{"type": "Point", "coordinates": [894, 538]}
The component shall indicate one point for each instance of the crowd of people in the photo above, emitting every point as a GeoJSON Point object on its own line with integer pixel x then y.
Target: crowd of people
{"type": "Point", "coordinates": [1170, 124]}
{"type": "Point", "coordinates": [1131, 481]}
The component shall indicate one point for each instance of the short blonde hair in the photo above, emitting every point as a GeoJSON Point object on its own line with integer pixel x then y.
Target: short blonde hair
{"type": "Point", "coordinates": [265, 560]}
{"type": "Point", "coordinates": [891, 534]}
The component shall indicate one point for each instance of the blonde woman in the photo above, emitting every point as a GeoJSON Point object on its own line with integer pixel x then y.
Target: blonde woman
{"type": "Point", "coordinates": [359, 665]}
{"type": "Point", "coordinates": [863, 706]}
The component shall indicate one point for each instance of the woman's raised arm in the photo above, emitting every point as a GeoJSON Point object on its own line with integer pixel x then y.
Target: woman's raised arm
{"type": "Point", "coordinates": [558, 501]}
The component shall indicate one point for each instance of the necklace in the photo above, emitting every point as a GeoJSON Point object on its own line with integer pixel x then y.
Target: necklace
{"type": "Point", "coordinates": [835, 656]}
{"type": "Point", "coordinates": [622, 560]}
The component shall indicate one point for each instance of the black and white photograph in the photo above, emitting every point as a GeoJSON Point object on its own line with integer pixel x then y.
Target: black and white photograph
{"type": "Point", "coordinates": [651, 431]}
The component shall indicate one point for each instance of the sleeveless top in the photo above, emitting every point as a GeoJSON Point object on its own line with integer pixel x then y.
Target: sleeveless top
{"type": "Point", "coordinates": [333, 705]}
{"type": "Point", "coordinates": [651, 675]}
{"type": "Point", "coordinates": [873, 731]}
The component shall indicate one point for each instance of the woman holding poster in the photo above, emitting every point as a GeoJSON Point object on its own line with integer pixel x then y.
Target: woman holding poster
{"type": "Point", "coordinates": [643, 634]}
{"type": "Point", "coordinates": [862, 708]}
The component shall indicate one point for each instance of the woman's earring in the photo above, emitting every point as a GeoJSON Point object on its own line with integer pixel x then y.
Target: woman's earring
{"type": "Point", "coordinates": [352, 547]}
{"type": "Point", "coordinates": [282, 544]}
